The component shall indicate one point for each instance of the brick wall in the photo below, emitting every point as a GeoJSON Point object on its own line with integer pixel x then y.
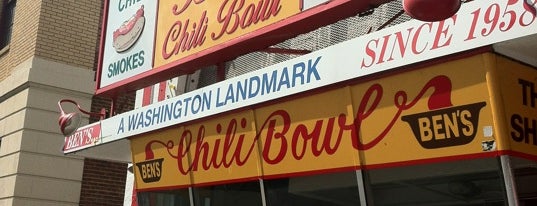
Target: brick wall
{"type": "Point", "coordinates": [69, 31]}
{"type": "Point", "coordinates": [23, 38]}
{"type": "Point", "coordinates": [65, 31]}
{"type": "Point", "coordinates": [103, 183]}
{"type": "Point", "coordinates": [124, 103]}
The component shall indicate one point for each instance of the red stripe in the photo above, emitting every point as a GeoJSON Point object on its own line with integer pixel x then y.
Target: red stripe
{"type": "Point", "coordinates": [162, 91]}
{"type": "Point", "coordinates": [101, 46]}
{"type": "Point", "coordinates": [147, 95]}
{"type": "Point", "coordinates": [433, 160]}
{"type": "Point", "coordinates": [314, 172]}
{"type": "Point", "coordinates": [163, 188]}
{"type": "Point", "coordinates": [354, 168]}
{"type": "Point", "coordinates": [223, 182]}
{"type": "Point", "coordinates": [520, 155]}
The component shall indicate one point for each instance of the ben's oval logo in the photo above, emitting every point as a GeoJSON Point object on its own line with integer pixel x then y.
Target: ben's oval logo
{"type": "Point", "coordinates": [150, 170]}
{"type": "Point", "coordinates": [445, 127]}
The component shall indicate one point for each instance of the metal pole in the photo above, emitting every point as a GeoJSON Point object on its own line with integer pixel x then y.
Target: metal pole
{"type": "Point", "coordinates": [361, 187]}
{"type": "Point", "coordinates": [263, 197]}
{"type": "Point", "coordinates": [510, 185]}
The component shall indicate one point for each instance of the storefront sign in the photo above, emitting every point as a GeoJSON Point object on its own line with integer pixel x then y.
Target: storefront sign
{"type": "Point", "coordinates": [387, 49]}
{"type": "Point", "coordinates": [187, 27]}
{"type": "Point", "coordinates": [436, 113]}
{"type": "Point", "coordinates": [518, 90]}
{"type": "Point", "coordinates": [182, 32]}
{"type": "Point", "coordinates": [128, 40]}
{"type": "Point", "coordinates": [84, 137]}
{"type": "Point", "coordinates": [403, 44]}
{"type": "Point", "coordinates": [154, 160]}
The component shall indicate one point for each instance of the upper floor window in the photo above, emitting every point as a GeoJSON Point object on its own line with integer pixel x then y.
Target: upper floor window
{"type": "Point", "coordinates": [6, 22]}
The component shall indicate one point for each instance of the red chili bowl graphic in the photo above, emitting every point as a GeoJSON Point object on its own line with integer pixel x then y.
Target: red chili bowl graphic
{"type": "Point", "coordinates": [129, 32]}
{"type": "Point", "coordinates": [150, 170]}
{"type": "Point", "coordinates": [453, 126]}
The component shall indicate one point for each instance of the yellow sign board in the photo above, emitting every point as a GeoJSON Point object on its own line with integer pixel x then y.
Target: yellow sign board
{"type": "Point", "coordinates": [223, 149]}
{"type": "Point", "coordinates": [425, 114]}
{"type": "Point", "coordinates": [187, 27]}
{"type": "Point", "coordinates": [157, 162]}
{"type": "Point", "coordinates": [518, 92]}
{"type": "Point", "coordinates": [305, 135]}
{"type": "Point", "coordinates": [442, 111]}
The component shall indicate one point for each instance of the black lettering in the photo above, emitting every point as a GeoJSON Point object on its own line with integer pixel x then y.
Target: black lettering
{"type": "Point", "coordinates": [518, 132]}
{"type": "Point", "coordinates": [530, 128]}
{"type": "Point", "coordinates": [528, 92]}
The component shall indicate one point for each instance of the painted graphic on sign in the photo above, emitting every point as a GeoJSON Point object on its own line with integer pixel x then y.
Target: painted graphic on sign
{"type": "Point", "coordinates": [129, 32]}
{"type": "Point", "coordinates": [188, 27]}
{"type": "Point", "coordinates": [445, 125]}
{"type": "Point", "coordinates": [128, 46]}
{"type": "Point", "coordinates": [150, 170]}
{"type": "Point", "coordinates": [362, 124]}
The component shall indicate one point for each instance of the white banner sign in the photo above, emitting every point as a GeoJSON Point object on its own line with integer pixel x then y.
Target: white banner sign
{"type": "Point", "coordinates": [477, 24]}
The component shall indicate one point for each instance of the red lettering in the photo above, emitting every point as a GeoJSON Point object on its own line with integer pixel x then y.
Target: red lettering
{"type": "Point", "coordinates": [327, 143]}
{"type": "Point", "coordinates": [370, 52]}
{"type": "Point", "coordinates": [529, 8]}
{"type": "Point", "coordinates": [401, 43]}
{"type": "Point", "coordinates": [281, 138]}
{"type": "Point", "coordinates": [303, 142]}
{"type": "Point", "coordinates": [383, 49]}
{"type": "Point", "coordinates": [182, 152]}
{"type": "Point", "coordinates": [176, 10]}
{"type": "Point", "coordinates": [503, 18]}
{"type": "Point", "coordinates": [301, 133]}
{"type": "Point", "coordinates": [396, 44]}
{"type": "Point", "coordinates": [473, 27]}
{"type": "Point", "coordinates": [492, 15]}
{"type": "Point", "coordinates": [512, 16]}
{"type": "Point", "coordinates": [363, 113]}
{"type": "Point", "coordinates": [205, 153]}
{"type": "Point", "coordinates": [228, 144]}
{"type": "Point", "coordinates": [442, 33]}
{"type": "Point", "coordinates": [417, 37]}
{"type": "Point", "coordinates": [318, 146]}
{"type": "Point", "coordinates": [273, 135]}
{"type": "Point", "coordinates": [185, 40]}
{"type": "Point", "coordinates": [240, 15]}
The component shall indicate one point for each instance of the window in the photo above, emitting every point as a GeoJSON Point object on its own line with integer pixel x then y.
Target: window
{"type": "Point", "coordinates": [334, 189]}
{"type": "Point", "coordinates": [236, 194]}
{"type": "Point", "coordinates": [525, 175]}
{"type": "Point", "coordinates": [6, 24]}
{"type": "Point", "coordinates": [476, 182]}
{"type": "Point", "coordinates": [178, 197]}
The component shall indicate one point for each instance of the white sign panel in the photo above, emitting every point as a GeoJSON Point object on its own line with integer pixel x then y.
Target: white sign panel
{"type": "Point", "coordinates": [128, 47]}
{"type": "Point", "coordinates": [477, 24]}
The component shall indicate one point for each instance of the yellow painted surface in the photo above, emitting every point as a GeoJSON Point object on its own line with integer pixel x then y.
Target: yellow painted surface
{"type": "Point", "coordinates": [438, 100]}
{"type": "Point", "coordinates": [519, 94]}
{"type": "Point", "coordinates": [420, 115]}
{"type": "Point", "coordinates": [196, 26]}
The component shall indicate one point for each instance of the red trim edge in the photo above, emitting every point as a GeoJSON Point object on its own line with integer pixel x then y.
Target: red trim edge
{"type": "Point", "coordinates": [353, 168]}
{"type": "Point", "coordinates": [101, 45]}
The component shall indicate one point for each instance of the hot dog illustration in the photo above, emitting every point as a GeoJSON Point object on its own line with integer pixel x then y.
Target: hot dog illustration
{"type": "Point", "coordinates": [129, 32]}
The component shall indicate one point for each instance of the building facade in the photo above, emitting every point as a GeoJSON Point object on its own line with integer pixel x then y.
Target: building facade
{"type": "Point", "coordinates": [48, 53]}
{"type": "Point", "coordinates": [369, 108]}
{"type": "Point", "coordinates": [444, 120]}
